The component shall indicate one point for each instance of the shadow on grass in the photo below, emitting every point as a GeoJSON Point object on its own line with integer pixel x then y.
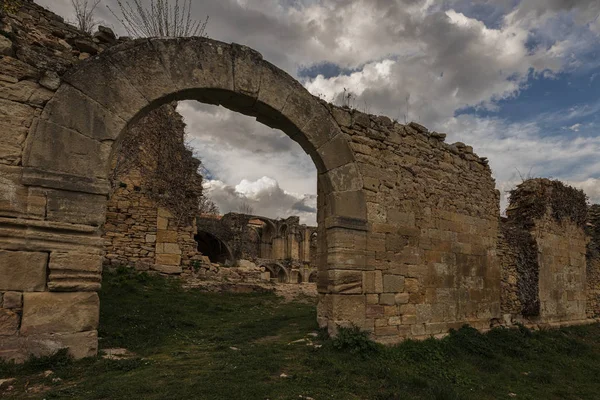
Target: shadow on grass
{"type": "Point", "coordinates": [196, 345]}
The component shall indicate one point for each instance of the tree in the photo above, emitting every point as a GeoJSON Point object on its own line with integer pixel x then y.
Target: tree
{"type": "Point", "coordinates": [245, 208]}
{"type": "Point", "coordinates": [10, 6]}
{"type": "Point", "coordinates": [84, 12]}
{"type": "Point", "coordinates": [162, 18]}
{"type": "Point", "coordinates": [207, 207]}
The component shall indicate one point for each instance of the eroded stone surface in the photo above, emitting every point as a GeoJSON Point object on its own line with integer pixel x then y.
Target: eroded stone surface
{"type": "Point", "coordinates": [49, 313]}
{"type": "Point", "coordinates": [23, 271]}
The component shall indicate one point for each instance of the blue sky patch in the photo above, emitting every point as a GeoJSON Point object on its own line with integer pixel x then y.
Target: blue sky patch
{"type": "Point", "coordinates": [560, 105]}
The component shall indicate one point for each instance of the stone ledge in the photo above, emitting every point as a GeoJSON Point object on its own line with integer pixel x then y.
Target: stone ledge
{"type": "Point", "coordinates": [347, 223]}
{"type": "Point", "coordinates": [57, 180]}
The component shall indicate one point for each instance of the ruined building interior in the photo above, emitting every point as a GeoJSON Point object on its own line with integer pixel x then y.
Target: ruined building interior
{"type": "Point", "coordinates": [410, 241]}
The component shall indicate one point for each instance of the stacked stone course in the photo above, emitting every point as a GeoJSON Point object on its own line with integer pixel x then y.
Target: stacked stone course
{"type": "Point", "coordinates": [544, 255]}
{"type": "Point", "coordinates": [432, 207]}
{"type": "Point", "coordinates": [593, 262]}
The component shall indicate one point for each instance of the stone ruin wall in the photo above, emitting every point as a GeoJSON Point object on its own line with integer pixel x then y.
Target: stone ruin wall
{"type": "Point", "coordinates": [260, 241]}
{"type": "Point", "coordinates": [36, 48]}
{"type": "Point", "coordinates": [427, 259]}
{"type": "Point", "coordinates": [593, 263]}
{"type": "Point", "coordinates": [429, 263]}
{"type": "Point", "coordinates": [138, 231]}
{"type": "Point", "coordinates": [544, 255]}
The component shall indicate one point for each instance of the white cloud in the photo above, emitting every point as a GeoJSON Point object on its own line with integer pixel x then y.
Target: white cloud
{"type": "Point", "coordinates": [264, 196]}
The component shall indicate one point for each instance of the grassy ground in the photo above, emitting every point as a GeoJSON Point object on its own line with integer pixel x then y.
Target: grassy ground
{"type": "Point", "coordinates": [194, 345]}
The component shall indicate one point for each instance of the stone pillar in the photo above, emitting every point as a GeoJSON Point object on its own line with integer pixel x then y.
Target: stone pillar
{"type": "Point", "coordinates": [50, 271]}
{"type": "Point", "coordinates": [168, 253]}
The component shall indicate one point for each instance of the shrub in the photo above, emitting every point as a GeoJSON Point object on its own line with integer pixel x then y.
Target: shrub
{"type": "Point", "coordinates": [354, 340]}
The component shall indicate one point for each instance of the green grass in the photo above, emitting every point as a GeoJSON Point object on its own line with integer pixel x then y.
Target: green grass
{"type": "Point", "coordinates": [183, 342]}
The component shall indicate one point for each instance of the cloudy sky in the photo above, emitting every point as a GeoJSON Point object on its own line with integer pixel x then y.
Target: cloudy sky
{"type": "Point", "coordinates": [517, 80]}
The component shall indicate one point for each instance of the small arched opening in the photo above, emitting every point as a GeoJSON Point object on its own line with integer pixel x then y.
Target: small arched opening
{"type": "Point", "coordinates": [281, 276]}
{"type": "Point", "coordinates": [213, 248]}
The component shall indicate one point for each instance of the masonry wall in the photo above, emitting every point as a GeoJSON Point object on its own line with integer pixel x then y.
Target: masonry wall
{"type": "Point", "coordinates": [543, 254]}
{"type": "Point", "coordinates": [140, 231]}
{"type": "Point", "coordinates": [44, 288]}
{"type": "Point", "coordinates": [593, 262]}
{"type": "Point", "coordinates": [562, 265]}
{"type": "Point", "coordinates": [430, 262]}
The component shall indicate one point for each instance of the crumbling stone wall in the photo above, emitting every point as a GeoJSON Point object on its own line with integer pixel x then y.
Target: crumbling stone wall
{"type": "Point", "coordinates": [430, 262]}
{"type": "Point", "coordinates": [284, 243]}
{"type": "Point", "coordinates": [43, 288]}
{"type": "Point", "coordinates": [544, 247]}
{"type": "Point", "coordinates": [141, 230]}
{"type": "Point", "coordinates": [593, 262]}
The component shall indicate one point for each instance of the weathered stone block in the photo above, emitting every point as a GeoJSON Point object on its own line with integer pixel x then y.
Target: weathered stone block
{"type": "Point", "coordinates": [372, 282]}
{"type": "Point", "coordinates": [168, 248]}
{"type": "Point", "coordinates": [348, 307]}
{"type": "Point", "coordinates": [76, 208]}
{"type": "Point", "coordinates": [345, 178]}
{"type": "Point", "coordinates": [348, 204]}
{"type": "Point", "coordinates": [23, 271]}
{"type": "Point", "coordinates": [20, 348]}
{"type": "Point", "coordinates": [336, 153]}
{"type": "Point", "coordinates": [59, 313]}
{"type": "Point", "coordinates": [120, 97]}
{"type": "Point", "coordinates": [196, 63]}
{"type": "Point", "coordinates": [80, 155]}
{"type": "Point", "coordinates": [172, 269]}
{"type": "Point", "coordinates": [393, 283]}
{"type": "Point", "coordinates": [75, 272]}
{"type": "Point", "coordinates": [168, 259]}
{"type": "Point", "coordinates": [16, 114]}
{"type": "Point", "coordinates": [344, 281]}
{"type": "Point", "coordinates": [387, 299]}
{"type": "Point", "coordinates": [166, 236]}
{"type": "Point", "coordinates": [9, 322]}
{"type": "Point", "coordinates": [91, 118]}
{"type": "Point", "coordinates": [402, 298]}
{"type": "Point", "coordinates": [12, 300]}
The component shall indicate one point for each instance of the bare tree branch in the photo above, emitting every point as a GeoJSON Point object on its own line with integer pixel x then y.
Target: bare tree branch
{"type": "Point", "coordinates": [162, 18]}
{"type": "Point", "coordinates": [84, 12]}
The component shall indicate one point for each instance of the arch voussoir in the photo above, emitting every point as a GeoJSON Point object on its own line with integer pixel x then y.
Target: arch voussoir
{"type": "Point", "coordinates": [196, 63]}
{"type": "Point", "coordinates": [120, 96]}
{"type": "Point", "coordinates": [91, 117]}
{"type": "Point", "coordinates": [148, 74]}
{"type": "Point", "coordinates": [49, 142]}
{"type": "Point", "coordinates": [336, 152]}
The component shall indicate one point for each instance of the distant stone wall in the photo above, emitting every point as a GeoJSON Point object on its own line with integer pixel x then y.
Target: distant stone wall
{"type": "Point", "coordinates": [276, 244]}
{"type": "Point", "coordinates": [562, 264]}
{"type": "Point", "coordinates": [130, 229]}
{"type": "Point", "coordinates": [543, 252]}
{"type": "Point", "coordinates": [593, 262]}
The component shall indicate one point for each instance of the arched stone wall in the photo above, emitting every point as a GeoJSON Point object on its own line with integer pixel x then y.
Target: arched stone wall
{"type": "Point", "coordinates": [68, 148]}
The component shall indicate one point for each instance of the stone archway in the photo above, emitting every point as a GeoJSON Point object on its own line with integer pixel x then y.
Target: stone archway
{"type": "Point", "coordinates": [213, 247]}
{"type": "Point", "coordinates": [68, 150]}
